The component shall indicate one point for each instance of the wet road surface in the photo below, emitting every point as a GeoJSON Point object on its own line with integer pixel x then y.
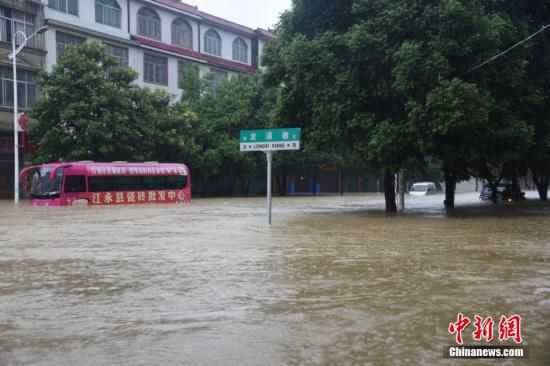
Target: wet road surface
{"type": "Point", "coordinates": [333, 281]}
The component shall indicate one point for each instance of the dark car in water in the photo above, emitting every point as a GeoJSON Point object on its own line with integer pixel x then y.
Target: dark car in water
{"type": "Point", "coordinates": [504, 192]}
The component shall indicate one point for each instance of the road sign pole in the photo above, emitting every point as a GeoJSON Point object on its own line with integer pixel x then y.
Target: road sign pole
{"type": "Point", "coordinates": [269, 156]}
{"type": "Point", "coordinates": [268, 141]}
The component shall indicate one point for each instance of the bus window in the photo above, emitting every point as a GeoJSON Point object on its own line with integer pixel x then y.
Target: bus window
{"type": "Point", "coordinates": [41, 184]}
{"type": "Point", "coordinates": [94, 184]}
{"type": "Point", "coordinates": [148, 183]}
{"type": "Point", "coordinates": [101, 184]}
{"type": "Point", "coordinates": [182, 181]}
{"type": "Point", "coordinates": [176, 182]}
{"type": "Point", "coordinates": [56, 189]}
{"type": "Point", "coordinates": [128, 183]}
{"type": "Point", "coordinates": [75, 183]}
{"type": "Point", "coordinates": [136, 183]}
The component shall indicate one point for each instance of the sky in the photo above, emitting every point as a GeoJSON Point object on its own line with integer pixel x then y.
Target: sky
{"type": "Point", "coordinates": [250, 13]}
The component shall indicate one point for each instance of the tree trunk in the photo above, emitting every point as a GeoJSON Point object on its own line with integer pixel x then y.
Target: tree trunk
{"type": "Point", "coordinates": [389, 192]}
{"type": "Point", "coordinates": [542, 186]}
{"type": "Point", "coordinates": [450, 187]}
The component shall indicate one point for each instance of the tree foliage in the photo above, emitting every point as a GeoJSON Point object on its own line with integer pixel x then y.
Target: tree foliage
{"type": "Point", "coordinates": [393, 82]}
{"type": "Point", "coordinates": [237, 104]}
{"type": "Point", "coordinates": [91, 109]}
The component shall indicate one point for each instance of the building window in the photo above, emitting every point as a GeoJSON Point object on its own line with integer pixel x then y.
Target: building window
{"type": "Point", "coordinates": [182, 34]}
{"type": "Point", "coordinates": [6, 147]}
{"type": "Point", "coordinates": [155, 70]}
{"type": "Point", "coordinates": [26, 88]}
{"type": "Point", "coordinates": [107, 12]}
{"type": "Point", "coordinates": [218, 77]}
{"type": "Point", "coordinates": [240, 50]}
{"type": "Point", "coordinates": [212, 43]}
{"type": "Point", "coordinates": [12, 21]}
{"type": "Point", "coordinates": [148, 23]}
{"type": "Point", "coordinates": [65, 6]}
{"type": "Point", "coordinates": [64, 39]}
{"type": "Point", "coordinates": [120, 53]}
{"type": "Point", "coordinates": [185, 70]}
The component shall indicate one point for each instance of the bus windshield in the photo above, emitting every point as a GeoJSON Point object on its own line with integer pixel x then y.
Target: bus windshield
{"type": "Point", "coordinates": [42, 185]}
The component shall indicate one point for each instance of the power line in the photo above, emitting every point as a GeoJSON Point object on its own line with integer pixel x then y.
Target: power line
{"type": "Point", "coordinates": [508, 50]}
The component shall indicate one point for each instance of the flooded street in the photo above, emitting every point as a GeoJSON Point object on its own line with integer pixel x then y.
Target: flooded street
{"type": "Point", "coordinates": [333, 281]}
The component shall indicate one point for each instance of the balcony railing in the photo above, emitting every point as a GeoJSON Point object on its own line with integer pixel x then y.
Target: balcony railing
{"type": "Point", "coordinates": [8, 27]}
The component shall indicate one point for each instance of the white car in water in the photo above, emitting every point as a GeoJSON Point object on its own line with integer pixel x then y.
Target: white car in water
{"type": "Point", "coordinates": [423, 189]}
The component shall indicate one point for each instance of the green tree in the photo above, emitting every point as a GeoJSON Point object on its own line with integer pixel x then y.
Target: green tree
{"type": "Point", "coordinates": [336, 78]}
{"type": "Point", "coordinates": [461, 131]}
{"type": "Point", "coordinates": [172, 136]}
{"type": "Point", "coordinates": [90, 109]}
{"type": "Point", "coordinates": [390, 81]}
{"type": "Point", "coordinates": [467, 116]}
{"type": "Point", "coordinates": [238, 103]}
{"type": "Point", "coordinates": [533, 101]}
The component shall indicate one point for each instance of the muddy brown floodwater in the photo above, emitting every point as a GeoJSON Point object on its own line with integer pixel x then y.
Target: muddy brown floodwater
{"type": "Point", "coordinates": [333, 281]}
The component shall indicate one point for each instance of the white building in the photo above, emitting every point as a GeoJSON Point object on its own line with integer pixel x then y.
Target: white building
{"type": "Point", "coordinates": [157, 38]}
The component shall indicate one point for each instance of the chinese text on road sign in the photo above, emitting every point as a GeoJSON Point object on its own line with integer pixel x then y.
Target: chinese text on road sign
{"type": "Point", "coordinates": [271, 139]}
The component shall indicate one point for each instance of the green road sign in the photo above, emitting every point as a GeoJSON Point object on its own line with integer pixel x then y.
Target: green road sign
{"type": "Point", "coordinates": [275, 139]}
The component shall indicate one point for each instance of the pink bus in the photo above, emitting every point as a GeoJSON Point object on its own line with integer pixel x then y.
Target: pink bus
{"type": "Point", "coordinates": [87, 182]}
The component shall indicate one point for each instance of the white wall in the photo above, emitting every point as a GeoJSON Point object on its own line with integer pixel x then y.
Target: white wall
{"type": "Point", "coordinates": [227, 42]}
{"type": "Point", "coordinates": [51, 45]}
{"type": "Point", "coordinates": [136, 62]}
{"type": "Point", "coordinates": [49, 41]}
{"type": "Point", "coordinates": [86, 18]}
{"type": "Point", "coordinates": [166, 19]}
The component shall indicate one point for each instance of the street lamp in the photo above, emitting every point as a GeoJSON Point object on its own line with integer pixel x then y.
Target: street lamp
{"type": "Point", "coordinates": [13, 55]}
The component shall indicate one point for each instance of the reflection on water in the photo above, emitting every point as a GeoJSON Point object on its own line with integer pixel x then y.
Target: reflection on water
{"type": "Point", "coordinates": [209, 283]}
